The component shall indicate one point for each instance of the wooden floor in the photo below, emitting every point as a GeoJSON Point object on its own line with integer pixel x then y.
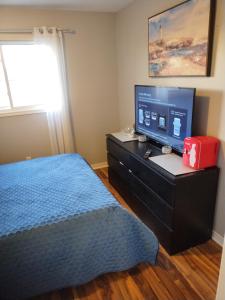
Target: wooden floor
{"type": "Point", "coordinates": [190, 275]}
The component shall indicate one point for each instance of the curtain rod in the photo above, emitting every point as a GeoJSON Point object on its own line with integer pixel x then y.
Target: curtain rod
{"type": "Point", "coordinates": [30, 30]}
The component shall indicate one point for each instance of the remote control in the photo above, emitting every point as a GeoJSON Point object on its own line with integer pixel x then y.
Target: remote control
{"type": "Point", "coordinates": [147, 153]}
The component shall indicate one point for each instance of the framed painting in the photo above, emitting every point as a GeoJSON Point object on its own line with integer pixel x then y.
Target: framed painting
{"type": "Point", "coordinates": [181, 38]}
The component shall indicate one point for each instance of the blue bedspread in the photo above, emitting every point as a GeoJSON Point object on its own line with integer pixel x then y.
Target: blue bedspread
{"type": "Point", "coordinates": [60, 227]}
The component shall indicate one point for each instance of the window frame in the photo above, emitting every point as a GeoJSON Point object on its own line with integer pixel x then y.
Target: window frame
{"type": "Point", "coordinates": [22, 110]}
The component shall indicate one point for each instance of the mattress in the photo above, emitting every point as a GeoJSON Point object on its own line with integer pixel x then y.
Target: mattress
{"type": "Point", "coordinates": [61, 227]}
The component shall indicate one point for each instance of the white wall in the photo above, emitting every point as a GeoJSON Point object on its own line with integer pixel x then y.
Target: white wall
{"type": "Point", "coordinates": [132, 59]}
{"type": "Point", "coordinates": [91, 64]}
{"type": "Point", "coordinates": [22, 136]}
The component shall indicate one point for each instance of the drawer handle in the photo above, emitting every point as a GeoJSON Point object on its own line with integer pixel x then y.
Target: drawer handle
{"type": "Point", "coordinates": [121, 163]}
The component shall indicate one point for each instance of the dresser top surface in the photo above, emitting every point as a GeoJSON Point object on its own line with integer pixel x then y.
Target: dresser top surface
{"type": "Point", "coordinates": [138, 149]}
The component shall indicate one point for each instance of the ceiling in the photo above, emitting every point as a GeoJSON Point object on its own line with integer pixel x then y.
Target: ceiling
{"type": "Point", "coordinates": [86, 5]}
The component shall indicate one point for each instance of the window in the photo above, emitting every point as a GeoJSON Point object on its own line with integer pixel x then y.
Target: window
{"type": "Point", "coordinates": [27, 77]}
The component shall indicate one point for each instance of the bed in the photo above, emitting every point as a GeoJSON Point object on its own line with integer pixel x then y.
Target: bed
{"type": "Point", "coordinates": [60, 227]}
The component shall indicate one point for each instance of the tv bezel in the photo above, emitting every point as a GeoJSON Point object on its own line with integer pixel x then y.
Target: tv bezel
{"type": "Point", "coordinates": [163, 87]}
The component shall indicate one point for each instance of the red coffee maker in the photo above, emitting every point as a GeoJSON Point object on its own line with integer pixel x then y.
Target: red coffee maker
{"type": "Point", "coordinates": [200, 152]}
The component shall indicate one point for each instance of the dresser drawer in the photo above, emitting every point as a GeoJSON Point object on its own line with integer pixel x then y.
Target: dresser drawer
{"type": "Point", "coordinates": [163, 233]}
{"type": "Point", "coordinates": [152, 201]}
{"type": "Point", "coordinates": [118, 152]}
{"type": "Point", "coordinates": [153, 180]}
{"type": "Point", "coordinates": [119, 167]}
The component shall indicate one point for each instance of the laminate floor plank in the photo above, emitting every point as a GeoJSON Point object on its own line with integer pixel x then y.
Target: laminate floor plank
{"type": "Point", "coordinates": [190, 275]}
{"type": "Point", "coordinates": [180, 282]}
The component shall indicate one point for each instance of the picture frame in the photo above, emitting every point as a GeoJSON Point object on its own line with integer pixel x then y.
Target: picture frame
{"type": "Point", "coordinates": [180, 40]}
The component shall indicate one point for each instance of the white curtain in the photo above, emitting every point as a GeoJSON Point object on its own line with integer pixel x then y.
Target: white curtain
{"type": "Point", "coordinates": [57, 101]}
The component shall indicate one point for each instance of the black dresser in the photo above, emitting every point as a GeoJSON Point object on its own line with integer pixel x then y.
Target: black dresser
{"type": "Point", "coordinates": [179, 209]}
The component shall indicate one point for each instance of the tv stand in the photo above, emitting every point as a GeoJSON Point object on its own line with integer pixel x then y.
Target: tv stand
{"type": "Point", "coordinates": [179, 209]}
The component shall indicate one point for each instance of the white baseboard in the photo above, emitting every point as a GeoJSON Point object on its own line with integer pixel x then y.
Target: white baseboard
{"type": "Point", "coordinates": [99, 165]}
{"type": "Point", "coordinates": [218, 238]}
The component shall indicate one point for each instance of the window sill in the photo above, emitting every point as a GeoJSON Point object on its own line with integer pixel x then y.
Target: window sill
{"type": "Point", "coordinates": [21, 112]}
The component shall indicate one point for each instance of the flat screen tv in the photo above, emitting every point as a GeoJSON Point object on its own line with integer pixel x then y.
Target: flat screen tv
{"type": "Point", "coordinates": [164, 114]}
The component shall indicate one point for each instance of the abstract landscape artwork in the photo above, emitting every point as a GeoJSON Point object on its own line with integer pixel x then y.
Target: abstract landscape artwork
{"type": "Point", "coordinates": [180, 40]}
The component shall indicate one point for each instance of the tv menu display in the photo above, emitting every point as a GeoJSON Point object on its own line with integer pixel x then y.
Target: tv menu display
{"type": "Point", "coordinates": [164, 114]}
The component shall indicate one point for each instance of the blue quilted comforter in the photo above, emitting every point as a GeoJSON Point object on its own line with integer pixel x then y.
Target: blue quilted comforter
{"type": "Point", "coordinates": [60, 227]}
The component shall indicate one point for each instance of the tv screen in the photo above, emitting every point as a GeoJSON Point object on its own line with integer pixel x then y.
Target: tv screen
{"type": "Point", "coordinates": [164, 114]}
